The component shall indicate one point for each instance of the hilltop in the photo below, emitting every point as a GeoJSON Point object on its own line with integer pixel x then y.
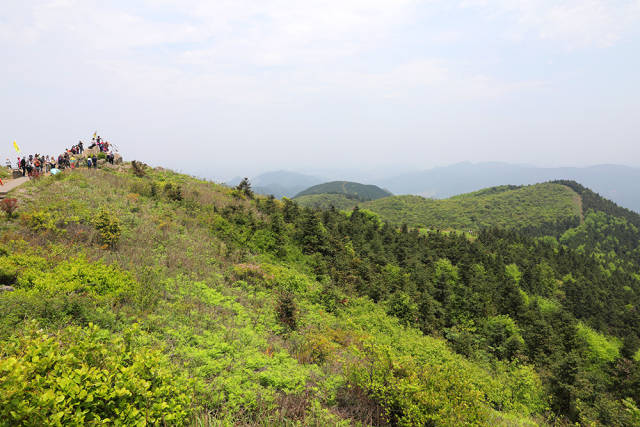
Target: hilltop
{"type": "Point", "coordinates": [339, 194]}
{"type": "Point", "coordinates": [146, 296]}
{"type": "Point", "coordinates": [505, 206]}
{"type": "Point", "coordinates": [357, 191]}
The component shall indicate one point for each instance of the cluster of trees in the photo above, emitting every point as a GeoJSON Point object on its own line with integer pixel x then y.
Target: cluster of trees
{"type": "Point", "coordinates": [503, 296]}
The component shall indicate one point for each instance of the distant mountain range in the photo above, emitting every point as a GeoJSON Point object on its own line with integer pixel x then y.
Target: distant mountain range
{"type": "Point", "coordinates": [618, 183]}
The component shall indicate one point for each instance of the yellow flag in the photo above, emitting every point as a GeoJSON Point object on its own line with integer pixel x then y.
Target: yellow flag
{"type": "Point", "coordinates": [15, 145]}
{"type": "Point", "coordinates": [95, 134]}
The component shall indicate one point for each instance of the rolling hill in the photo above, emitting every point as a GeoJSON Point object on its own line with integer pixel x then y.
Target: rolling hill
{"type": "Point", "coordinates": [353, 190]}
{"type": "Point", "coordinates": [616, 182]}
{"type": "Point", "coordinates": [506, 207]}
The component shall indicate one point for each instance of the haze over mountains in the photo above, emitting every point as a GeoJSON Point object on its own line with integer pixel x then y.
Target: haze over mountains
{"type": "Point", "coordinates": [616, 182]}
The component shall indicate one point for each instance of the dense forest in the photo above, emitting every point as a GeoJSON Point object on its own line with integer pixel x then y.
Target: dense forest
{"type": "Point", "coordinates": [147, 297]}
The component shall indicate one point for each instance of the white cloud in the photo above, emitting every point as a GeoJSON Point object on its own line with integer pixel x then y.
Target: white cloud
{"type": "Point", "coordinates": [574, 24]}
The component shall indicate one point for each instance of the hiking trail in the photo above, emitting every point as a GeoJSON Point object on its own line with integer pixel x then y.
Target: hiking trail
{"type": "Point", "coordinates": [10, 184]}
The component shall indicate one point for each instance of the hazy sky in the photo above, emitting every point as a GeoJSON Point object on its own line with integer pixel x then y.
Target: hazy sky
{"type": "Point", "coordinates": [238, 87]}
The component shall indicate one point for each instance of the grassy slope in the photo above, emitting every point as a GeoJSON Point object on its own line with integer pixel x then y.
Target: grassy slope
{"type": "Point", "coordinates": [205, 294]}
{"type": "Point", "coordinates": [498, 206]}
{"type": "Point", "coordinates": [362, 191]}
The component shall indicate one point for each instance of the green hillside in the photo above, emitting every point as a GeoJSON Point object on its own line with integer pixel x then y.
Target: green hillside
{"type": "Point", "coordinates": [145, 297]}
{"type": "Point", "coordinates": [352, 190]}
{"type": "Point", "coordinates": [326, 201]}
{"type": "Point", "coordinates": [506, 207]}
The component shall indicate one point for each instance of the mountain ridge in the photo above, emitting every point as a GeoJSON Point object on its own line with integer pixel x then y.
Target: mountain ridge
{"type": "Point", "coordinates": [618, 183]}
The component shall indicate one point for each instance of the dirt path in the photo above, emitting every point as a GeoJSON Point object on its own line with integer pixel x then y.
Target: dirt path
{"type": "Point", "coordinates": [10, 184]}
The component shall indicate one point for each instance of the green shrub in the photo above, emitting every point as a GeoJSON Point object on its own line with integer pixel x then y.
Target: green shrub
{"type": "Point", "coordinates": [87, 377]}
{"type": "Point", "coordinates": [173, 192]}
{"type": "Point", "coordinates": [413, 395]}
{"type": "Point", "coordinates": [108, 226]}
{"type": "Point", "coordinates": [138, 169]}
{"type": "Point", "coordinates": [9, 206]}
{"type": "Point", "coordinates": [503, 337]}
{"type": "Point", "coordinates": [287, 310]}
{"type": "Point", "coordinates": [602, 349]}
{"type": "Point", "coordinates": [39, 221]}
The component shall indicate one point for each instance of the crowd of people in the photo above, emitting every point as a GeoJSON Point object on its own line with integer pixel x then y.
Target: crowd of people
{"type": "Point", "coordinates": [34, 165]}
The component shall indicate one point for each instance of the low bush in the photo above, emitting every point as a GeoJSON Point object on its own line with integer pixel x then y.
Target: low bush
{"type": "Point", "coordinates": [9, 206]}
{"type": "Point", "coordinates": [39, 221]}
{"type": "Point", "coordinates": [138, 168]}
{"type": "Point", "coordinates": [85, 376]}
{"type": "Point", "coordinates": [173, 192]}
{"type": "Point", "coordinates": [108, 226]}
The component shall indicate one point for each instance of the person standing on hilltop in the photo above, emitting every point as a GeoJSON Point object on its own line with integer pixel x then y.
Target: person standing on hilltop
{"type": "Point", "coordinates": [23, 166]}
{"type": "Point", "coordinates": [94, 159]}
{"type": "Point", "coordinates": [80, 147]}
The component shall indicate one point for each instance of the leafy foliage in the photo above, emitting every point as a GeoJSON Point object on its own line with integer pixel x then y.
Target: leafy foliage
{"type": "Point", "coordinates": [108, 226]}
{"type": "Point", "coordinates": [85, 376]}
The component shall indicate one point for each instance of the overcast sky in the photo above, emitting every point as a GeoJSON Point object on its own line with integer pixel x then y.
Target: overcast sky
{"type": "Point", "coordinates": [237, 87]}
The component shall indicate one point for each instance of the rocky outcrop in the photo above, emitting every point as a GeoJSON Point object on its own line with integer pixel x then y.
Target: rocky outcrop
{"type": "Point", "coordinates": [5, 288]}
{"type": "Point", "coordinates": [90, 152]}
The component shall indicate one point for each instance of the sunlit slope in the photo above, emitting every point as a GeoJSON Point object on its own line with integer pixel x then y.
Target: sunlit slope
{"type": "Point", "coordinates": [506, 206]}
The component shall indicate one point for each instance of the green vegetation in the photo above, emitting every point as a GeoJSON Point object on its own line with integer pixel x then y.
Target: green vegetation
{"type": "Point", "coordinates": [142, 296]}
{"type": "Point", "coordinates": [351, 190]}
{"type": "Point", "coordinates": [83, 376]}
{"type": "Point", "coordinates": [5, 173]}
{"type": "Point", "coordinates": [327, 201]}
{"type": "Point", "coordinates": [506, 207]}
